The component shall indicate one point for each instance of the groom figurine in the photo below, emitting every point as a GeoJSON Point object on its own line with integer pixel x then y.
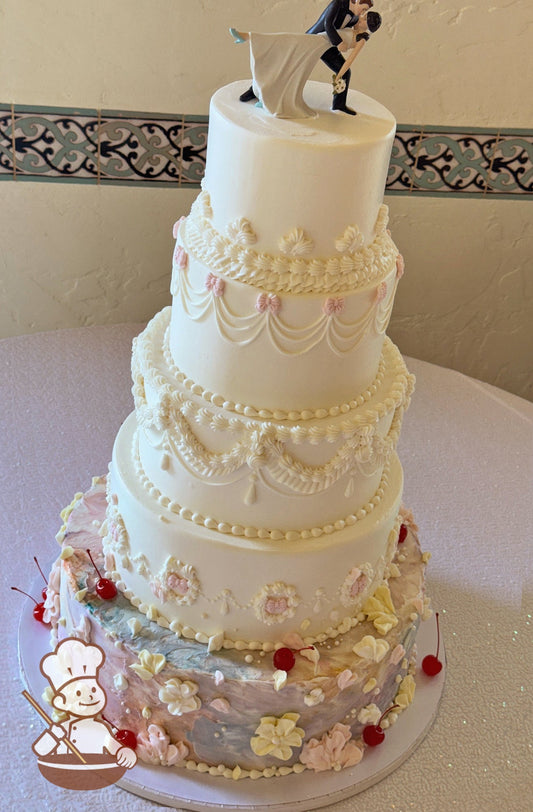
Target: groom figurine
{"type": "Point", "coordinates": [338, 14]}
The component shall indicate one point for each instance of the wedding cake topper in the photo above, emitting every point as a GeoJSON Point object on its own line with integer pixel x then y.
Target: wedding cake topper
{"type": "Point", "coordinates": [282, 63]}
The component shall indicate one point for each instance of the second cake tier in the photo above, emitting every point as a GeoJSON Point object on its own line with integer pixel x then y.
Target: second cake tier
{"type": "Point", "coordinates": [271, 473]}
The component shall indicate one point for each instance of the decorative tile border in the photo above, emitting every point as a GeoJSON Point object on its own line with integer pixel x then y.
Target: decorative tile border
{"type": "Point", "coordinates": [101, 146]}
{"type": "Point", "coordinates": [452, 161]}
{"type": "Point", "coordinates": [118, 147]}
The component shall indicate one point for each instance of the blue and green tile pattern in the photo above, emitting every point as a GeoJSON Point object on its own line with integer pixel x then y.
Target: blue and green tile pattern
{"type": "Point", "coordinates": [118, 147]}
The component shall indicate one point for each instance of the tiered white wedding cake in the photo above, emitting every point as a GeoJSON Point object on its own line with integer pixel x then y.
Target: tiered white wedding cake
{"type": "Point", "coordinates": [270, 583]}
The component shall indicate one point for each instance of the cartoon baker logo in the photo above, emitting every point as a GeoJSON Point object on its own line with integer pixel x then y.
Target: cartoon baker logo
{"type": "Point", "coordinates": [80, 751]}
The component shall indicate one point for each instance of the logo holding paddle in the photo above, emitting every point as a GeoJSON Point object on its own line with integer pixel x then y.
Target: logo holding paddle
{"type": "Point", "coordinates": [80, 751]}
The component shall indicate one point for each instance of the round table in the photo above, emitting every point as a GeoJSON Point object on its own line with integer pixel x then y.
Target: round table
{"type": "Point", "coordinates": [466, 448]}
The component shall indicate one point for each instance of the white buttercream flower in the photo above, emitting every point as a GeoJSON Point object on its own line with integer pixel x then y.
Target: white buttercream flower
{"type": "Point", "coordinates": [180, 696]}
{"type": "Point", "coordinates": [296, 243]}
{"type": "Point", "coordinates": [371, 649]}
{"type": "Point", "coordinates": [314, 697]}
{"type": "Point", "coordinates": [241, 232]}
{"type": "Point", "coordinates": [352, 240]}
{"type": "Point", "coordinates": [369, 715]}
{"type": "Point", "coordinates": [280, 679]}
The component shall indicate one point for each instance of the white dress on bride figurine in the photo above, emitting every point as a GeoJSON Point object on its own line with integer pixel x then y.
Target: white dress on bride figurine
{"type": "Point", "coordinates": [281, 65]}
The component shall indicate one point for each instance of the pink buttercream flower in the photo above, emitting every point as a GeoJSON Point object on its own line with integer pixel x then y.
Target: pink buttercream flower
{"type": "Point", "coordinates": [275, 603]}
{"type": "Point", "coordinates": [276, 606]}
{"type": "Point", "coordinates": [333, 306]}
{"type": "Point", "coordinates": [181, 258]}
{"type": "Point", "coordinates": [398, 654]}
{"type": "Point", "coordinates": [354, 585]}
{"type": "Point", "coordinates": [268, 301]}
{"type": "Point", "coordinates": [381, 291]}
{"type": "Point", "coordinates": [345, 678]}
{"type": "Point", "coordinates": [158, 590]}
{"type": "Point", "coordinates": [177, 583]}
{"type": "Point", "coordinates": [215, 285]}
{"type": "Point", "coordinates": [335, 750]}
{"type": "Point", "coordinates": [400, 266]}
{"type": "Point", "coordinates": [358, 585]}
{"type": "Point", "coordinates": [154, 746]}
{"type": "Point", "coordinates": [176, 227]}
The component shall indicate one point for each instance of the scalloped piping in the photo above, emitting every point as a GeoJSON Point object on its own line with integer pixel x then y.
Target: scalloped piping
{"type": "Point", "coordinates": [245, 327]}
{"type": "Point", "coordinates": [265, 414]}
{"type": "Point", "coordinates": [278, 274]}
{"type": "Point", "coordinates": [258, 451]}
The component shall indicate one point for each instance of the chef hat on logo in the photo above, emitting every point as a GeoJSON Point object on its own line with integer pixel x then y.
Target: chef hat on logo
{"type": "Point", "coordinates": [72, 659]}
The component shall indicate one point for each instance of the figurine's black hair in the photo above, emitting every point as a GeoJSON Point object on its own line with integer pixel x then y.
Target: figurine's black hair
{"type": "Point", "coordinates": [373, 20]}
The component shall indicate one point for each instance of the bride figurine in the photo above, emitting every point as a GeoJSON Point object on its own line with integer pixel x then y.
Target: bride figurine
{"type": "Point", "coordinates": [281, 63]}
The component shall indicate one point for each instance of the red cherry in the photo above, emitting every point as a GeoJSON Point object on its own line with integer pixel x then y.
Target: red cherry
{"type": "Point", "coordinates": [403, 534]}
{"type": "Point", "coordinates": [284, 659]}
{"type": "Point", "coordinates": [374, 734]}
{"type": "Point", "coordinates": [127, 738]}
{"type": "Point", "coordinates": [105, 588]}
{"type": "Point", "coordinates": [431, 665]}
{"type": "Point", "coordinates": [38, 609]}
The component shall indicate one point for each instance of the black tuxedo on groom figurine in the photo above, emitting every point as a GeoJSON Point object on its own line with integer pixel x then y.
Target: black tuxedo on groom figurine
{"type": "Point", "coordinates": [336, 16]}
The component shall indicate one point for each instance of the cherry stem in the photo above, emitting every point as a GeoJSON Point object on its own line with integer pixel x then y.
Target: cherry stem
{"type": "Point", "coordinates": [438, 633]}
{"type": "Point", "coordinates": [385, 713]}
{"type": "Point", "coordinates": [94, 565]}
{"type": "Point", "coordinates": [25, 593]}
{"type": "Point", "coordinates": [40, 570]}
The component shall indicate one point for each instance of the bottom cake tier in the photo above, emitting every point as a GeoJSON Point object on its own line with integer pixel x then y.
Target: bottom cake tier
{"type": "Point", "coordinates": [240, 713]}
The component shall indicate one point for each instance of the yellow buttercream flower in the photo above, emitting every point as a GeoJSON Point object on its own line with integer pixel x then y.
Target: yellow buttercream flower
{"type": "Point", "coordinates": [380, 610]}
{"type": "Point", "coordinates": [149, 664]}
{"type": "Point", "coordinates": [406, 692]}
{"type": "Point", "coordinates": [277, 736]}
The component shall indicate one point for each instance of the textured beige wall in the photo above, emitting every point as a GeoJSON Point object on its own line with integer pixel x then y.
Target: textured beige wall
{"type": "Point", "coordinates": [73, 255]}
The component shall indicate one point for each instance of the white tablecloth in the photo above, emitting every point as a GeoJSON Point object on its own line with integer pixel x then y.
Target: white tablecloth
{"type": "Point", "coordinates": [466, 448]}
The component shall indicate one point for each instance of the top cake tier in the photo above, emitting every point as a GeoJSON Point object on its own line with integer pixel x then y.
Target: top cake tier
{"type": "Point", "coordinates": [318, 175]}
{"type": "Point", "coordinates": [285, 268]}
